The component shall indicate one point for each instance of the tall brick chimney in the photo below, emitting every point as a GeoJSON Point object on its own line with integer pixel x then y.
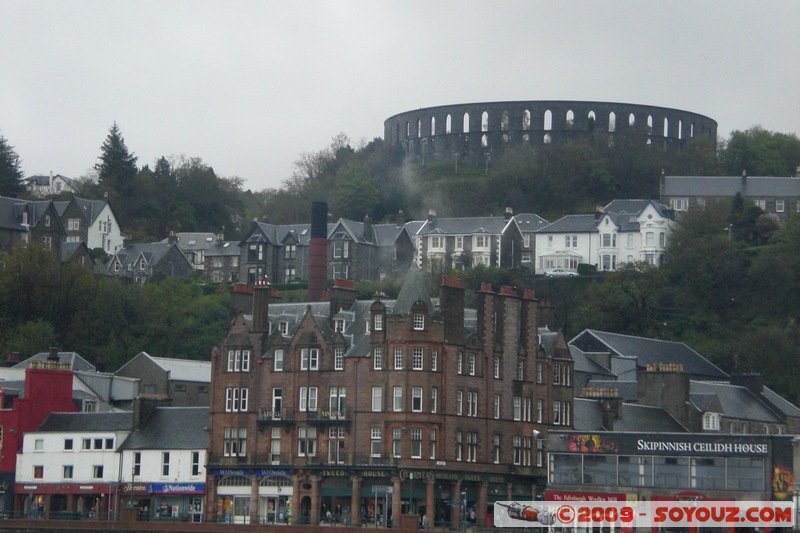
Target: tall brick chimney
{"type": "Point", "coordinates": [342, 295]}
{"type": "Point", "coordinates": [318, 260]}
{"type": "Point", "coordinates": [451, 300]}
{"type": "Point", "coordinates": [261, 306]}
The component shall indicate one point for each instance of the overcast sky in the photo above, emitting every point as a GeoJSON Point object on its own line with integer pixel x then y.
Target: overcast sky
{"type": "Point", "coordinates": [248, 86]}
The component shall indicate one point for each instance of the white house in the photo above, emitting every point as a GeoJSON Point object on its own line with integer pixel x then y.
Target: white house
{"type": "Point", "coordinates": [624, 231]}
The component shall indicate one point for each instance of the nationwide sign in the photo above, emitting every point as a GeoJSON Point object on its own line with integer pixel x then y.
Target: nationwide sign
{"type": "Point", "coordinates": [179, 488]}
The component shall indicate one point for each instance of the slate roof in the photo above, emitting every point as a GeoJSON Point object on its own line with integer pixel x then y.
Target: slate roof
{"type": "Point", "coordinates": [583, 363]}
{"type": "Point", "coordinates": [192, 241]}
{"type": "Point", "coordinates": [11, 212]}
{"type": "Point", "coordinates": [735, 401]}
{"type": "Point", "coordinates": [152, 251]}
{"type": "Point", "coordinates": [179, 369]}
{"type": "Point", "coordinates": [224, 249]}
{"type": "Point", "coordinates": [75, 361]}
{"type": "Point", "coordinates": [572, 224]}
{"type": "Point", "coordinates": [412, 291]}
{"type": "Point", "coordinates": [649, 352]}
{"type": "Point", "coordinates": [588, 416]}
{"type": "Point", "coordinates": [530, 222]}
{"type": "Point", "coordinates": [171, 428]}
{"type": "Point", "coordinates": [727, 186]}
{"type": "Point", "coordinates": [90, 209]}
{"type": "Point", "coordinates": [88, 422]}
{"type": "Point", "coordinates": [627, 390]}
{"type": "Point", "coordinates": [464, 226]}
{"type": "Point", "coordinates": [781, 404]}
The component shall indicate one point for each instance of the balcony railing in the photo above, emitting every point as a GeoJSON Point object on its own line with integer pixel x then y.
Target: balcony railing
{"type": "Point", "coordinates": [290, 458]}
{"type": "Point", "coordinates": [319, 417]}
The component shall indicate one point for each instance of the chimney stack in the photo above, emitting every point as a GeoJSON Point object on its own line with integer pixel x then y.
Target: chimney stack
{"type": "Point", "coordinates": [431, 215]}
{"type": "Point", "coordinates": [509, 213]}
{"type": "Point", "coordinates": [12, 358]}
{"type": "Point", "coordinates": [100, 363]}
{"type": "Point", "coordinates": [318, 260]}
{"type": "Point", "coordinates": [342, 296]}
{"type": "Point", "coordinates": [261, 306]}
{"type": "Point", "coordinates": [367, 233]}
{"type": "Point", "coordinates": [53, 355]}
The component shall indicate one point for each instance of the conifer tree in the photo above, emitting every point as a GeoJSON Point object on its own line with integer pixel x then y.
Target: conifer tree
{"type": "Point", "coordinates": [11, 184]}
{"type": "Point", "coordinates": [117, 166]}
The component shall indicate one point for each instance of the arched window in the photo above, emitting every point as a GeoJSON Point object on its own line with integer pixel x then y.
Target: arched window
{"type": "Point", "coordinates": [526, 120]}
{"type": "Point", "coordinates": [612, 122]}
{"type": "Point", "coordinates": [504, 121]}
{"type": "Point", "coordinates": [548, 120]}
{"type": "Point", "coordinates": [680, 129]}
{"type": "Point", "coordinates": [484, 141]}
{"type": "Point", "coordinates": [419, 128]}
{"type": "Point", "coordinates": [691, 130]}
{"type": "Point", "coordinates": [408, 130]}
{"type": "Point", "coordinates": [570, 119]}
{"type": "Point", "coordinates": [466, 122]}
{"type": "Point", "coordinates": [649, 124]}
{"type": "Point", "coordinates": [548, 138]}
{"type": "Point", "coordinates": [592, 120]}
{"type": "Point", "coordinates": [433, 125]}
{"type": "Point", "coordinates": [631, 120]}
{"type": "Point", "coordinates": [485, 121]}
{"type": "Point", "coordinates": [526, 137]}
{"type": "Point", "coordinates": [666, 127]}
{"type": "Point", "coordinates": [448, 125]}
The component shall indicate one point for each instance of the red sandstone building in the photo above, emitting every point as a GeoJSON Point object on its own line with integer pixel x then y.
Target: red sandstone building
{"type": "Point", "coordinates": [371, 409]}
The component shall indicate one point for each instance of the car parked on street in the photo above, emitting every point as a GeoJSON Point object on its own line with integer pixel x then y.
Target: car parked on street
{"type": "Point", "coordinates": [561, 273]}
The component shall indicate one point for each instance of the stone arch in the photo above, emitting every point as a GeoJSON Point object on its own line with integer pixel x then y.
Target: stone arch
{"type": "Point", "coordinates": [484, 141]}
{"type": "Point", "coordinates": [592, 121]}
{"type": "Point", "coordinates": [504, 123]}
{"type": "Point", "coordinates": [612, 122]}
{"type": "Point", "coordinates": [448, 124]}
{"type": "Point", "coordinates": [691, 130]}
{"type": "Point", "coordinates": [485, 121]}
{"type": "Point", "coordinates": [466, 122]}
{"type": "Point", "coordinates": [632, 120]}
{"type": "Point", "coordinates": [526, 120]}
{"type": "Point", "coordinates": [666, 127]}
{"type": "Point", "coordinates": [570, 116]}
{"type": "Point", "coordinates": [408, 129]}
{"type": "Point", "coordinates": [433, 125]}
{"type": "Point", "coordinates": [548, 120]}
{"type": "Point", "coordinates": [548, 138]}
{"type": "Point", "coordinates": [419, 128]}
{"type": "Point", "coordinates": [680, 129]}
{"type": "Point", "coordinates": [649, 124]}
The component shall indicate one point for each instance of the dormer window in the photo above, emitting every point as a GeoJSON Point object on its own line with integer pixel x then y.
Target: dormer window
{"type": "Point", "coordinates": [339, 324]}
{"type": "Point", "coordinates": [47, 221]}
{"type": "Point", "coordinates": [283, 327]}
{"type": "Point", "coordinates": [141, 264]}
{"type": "Point", "coordinates": [419, 321]}
{"type": "Point", "coordinates": [711, 421]}
{"type": "Point", "coordinates": [25, 218]}
{"type": "Point", "coordinates": [379, 322]}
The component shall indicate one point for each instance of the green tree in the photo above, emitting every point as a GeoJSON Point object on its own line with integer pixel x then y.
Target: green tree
{"type": "Point", "coordinates": [117, 171]}
{"type": "Point", "coordinates": [760, 152]}
{"type": "Point", "coordinates": [356, 193]}
{"type": "Point", "coordinates": [11, 175]}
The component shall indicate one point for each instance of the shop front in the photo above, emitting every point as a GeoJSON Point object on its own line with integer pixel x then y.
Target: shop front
{"type": "Point", "coordinates": [66, 500]}
{"type": "Point", "coordinates": [275, 498]}
{"type": "Point", "coordinates": [177, 501]}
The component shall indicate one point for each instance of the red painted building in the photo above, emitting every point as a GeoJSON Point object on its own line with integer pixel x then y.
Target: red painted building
{"type": "Point", "coordinates": [47, 388]}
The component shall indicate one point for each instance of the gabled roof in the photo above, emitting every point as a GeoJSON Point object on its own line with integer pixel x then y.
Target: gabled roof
{"type": "Point", "coordinates": [530, 222]}
{"type": "Point", "coordinates": [171, 428]}
{"type": "Point", "coordinates": [572, 224]}
{"type": "Point", "coordinates": [735, 401]}
{"type": "Point", "coordinates": [728, 186]}
{"type": "Point", "coordinates": [191, 241]}
{"type": "Point", "coordinates": [153, 252]}
{"type": "Point", "coordinates": [780, 403]}
{"type": "Point", "coordinates": [582, 363]}
{"type": "Point", "coordinates": [224, 249]}
{"type": "Point", "coordinates": [649, 352]}
{"type": "Point", "coordinates": [179, 369]}
{"type": "Point", "coordinates": [88, 422]}
{"type": "Point", "coordinates": [90, 209]}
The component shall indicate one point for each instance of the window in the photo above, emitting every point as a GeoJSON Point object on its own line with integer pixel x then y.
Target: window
{"type": "Point", "coordinates": [434, 399]}
{"type": "Point", "coordinates": [164, 464]}
{"type": "Point", "coordinates": [377, 358]}
{"type": "Point", "coordinates": [539, 373]}
{"type": "Point", "coordinates": [290, 273]}
{"type": "Point", "coordinates": [275, 446]}
{"type": "Point", "coordinates": [398, 358]}
{"type": "Point", "coordinates": [437, 242]}
{"type": "Point", "coordinates": [520, 369]}
{"type": "Point", "coordinates": [606, 239]}
{"type": "Point", "coordinates": [780, 206]}
{"type": "Point", "coordinates": [496, 448]}
{"type": "Point", "coordinates": [459, 243]}
{"type": "Point", "coordinates": [289, 251]}
{"type": "Point", "coordinates": [336, 445]}
{"type": "Point", "coordinates": [472, 404]}
{"type": "Point", "coordinates": [236, 400]}
{"type": "Point", "coordinates": [309, 359]}
{"type": "Point", "coordinates": [238, 360]}
{"type": "Point", "coordinates": [397, 442]}
{"type": "Point", "coordinates": [339, 271]}
{"type": "Point", "coordinates": [339, 324]}
{"type": "Point", "coordinates": [377, 399]}
{"type": "Point", "coordinates": [496, 406]}
{"type": "Point", "coordinates": [195, 463]}
{"type": "Point", "coordinates": [109, 444]}
{"type": "Point", "coordinates": [137, 463]}
{"type": "Point", "coordinates": [566, 414]}
{"type": "Point", "coordinates": [98, 444]}
{"type": "Point", "coordinates": [255, 252]}
{"type": "Point", "coordinates": [517, 408]}
{"type": "Point", "coordinates": [338, 395]}
{"type": "Point", "coordinates": [711, 421]}
{"type": "Point", "coordinates": [517, 450]}
{"type": "Point", "coordinates": [496, 367]}
{"type": "Point", "coordinates": [340, 249]}
{"type": "Point", "coordinates": [68, 445]}
{"type": "Point", "coordinates": [539, 410]}
{"type": "Point", "coordinates": [432, 444]}
{"type": "Point", "coordinates": [38, 445]}
{"type": "Point", "coordinates": [235, 442]}
{"type": "Point", "coordinates": [416, 443]}
{"type": "Point", "coordinates": [97, 471]}
{"type": "Point", "coordinates": [662, 239]}
{"type": "Point", "coordinates": [419, 321]}
{"type": "Point", "coordinates": [459, 446]}
{"type": "Point", "coordinates": [378, 321]}
{"type": "Point", "coordinates": [283, 327]}
{"type": "Point", "coordinates": [472, 364]}
{"type": "Point", "coordinates": [68, 472]}
{"type": "Point", "coordinates": [556, 413]}
{"type": "Point", "coordinates": [459, 362]}
{"type": "Point", "coordinates": [86, 444]}
{"type": "Point", "coordinates": [556, 374]}
{"type": "Point", "coordinates": [526, 240]}
{"type": "Point", "coordinates": [375, 435]}
{"type": "Point", "coordinates": [481, 241]}
{"type": "Point", "coordinates": [570, 241]}
{"type": "Point", "coordinates": [306, 442]}
{"type": "Point", "coordinates": [434, 359]}
{"type": "Point", "coordinates": [630, 240]}
{"type": "Point", "coordinates": [649, 238]}
{"type": "Point", "coordinates": [308, 399]}
{"type": "Point", "coordinates": [278, 361]}
{"type": "Point", "coordinates": [459, 402]}
{"type": "Point", "coordinates": [417, 359]}
{"type": "Point", "coordinates": [472, 447]}
{"type": "Point", "coordinates": [416, 399]}
{"type": "Point", "coordinates": [539, 452]}
{"type": "Point", "coordinates": [338, 358]}
{"type": "Point", "coordinates": [680, 204]}
{"type": "Point", "coordinates": [397, 399]}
